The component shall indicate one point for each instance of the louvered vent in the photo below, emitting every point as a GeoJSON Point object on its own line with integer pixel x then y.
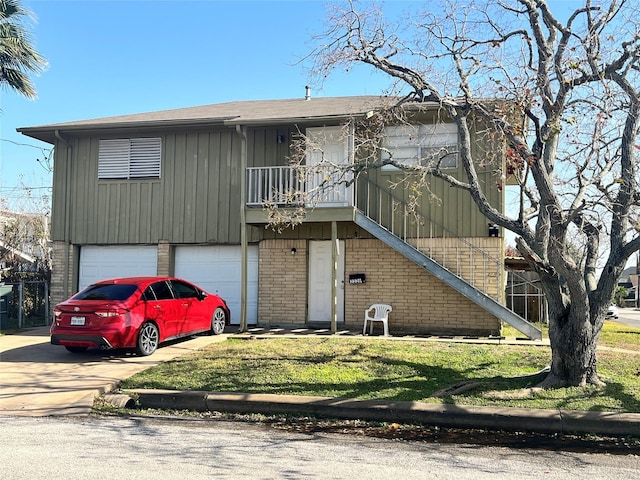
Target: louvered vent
{"type": "Point", "coordinates": [145, 158]}
{"type": "Point", "coordinates": [129, 158]}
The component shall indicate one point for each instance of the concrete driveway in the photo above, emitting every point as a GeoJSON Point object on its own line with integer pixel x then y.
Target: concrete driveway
{"type": "Point", "coordinates": [40, 379]}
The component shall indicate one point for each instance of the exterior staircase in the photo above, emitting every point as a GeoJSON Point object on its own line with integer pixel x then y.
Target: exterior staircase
{"type": "Point", "coordinates": [407, 240]}
{"type": "Point", "coordinates": [472, 293]}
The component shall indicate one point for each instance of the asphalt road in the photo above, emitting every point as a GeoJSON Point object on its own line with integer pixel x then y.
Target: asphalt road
{"type": "Point", "coordinates": [148, 449]}
{"type": "Point", "coordinates": [629, 316]}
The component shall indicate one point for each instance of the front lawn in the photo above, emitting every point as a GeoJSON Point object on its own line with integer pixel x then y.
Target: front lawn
{"type": "Point", "coordinates": [375, 368]}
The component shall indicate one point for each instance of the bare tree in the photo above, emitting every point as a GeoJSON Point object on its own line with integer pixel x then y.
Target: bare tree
{"type": "Point", "coordinates": [560, 97]}
{"type": "Point", "coordinates": [24, 237]}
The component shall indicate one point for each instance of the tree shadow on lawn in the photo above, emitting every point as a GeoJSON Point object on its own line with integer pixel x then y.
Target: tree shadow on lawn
{"type": "Point", "coordinates": [300, 372]}
{"type": "Point", "coordinates": [618, 391]}
{"type": "Point", "coordinates": [399, 380]}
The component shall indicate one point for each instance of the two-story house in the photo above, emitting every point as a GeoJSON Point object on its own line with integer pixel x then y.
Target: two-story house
{"type": "Point", "coordinates": [183, 192]}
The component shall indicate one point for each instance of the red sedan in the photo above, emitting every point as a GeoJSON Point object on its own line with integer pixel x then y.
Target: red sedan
{"type": "Point", "coordinates": [136, 312]}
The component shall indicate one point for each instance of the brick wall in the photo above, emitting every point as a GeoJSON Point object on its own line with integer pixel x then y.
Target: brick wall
{"type": "Point", "coordinates": [164, 268]}
{"type": "Point", "coordinates": [61, 255]}
{"type": "Point", "coordinates": [421, 303]}
{"type": "Point", "coordinates": [465, 258]}
{"type": "Point", "coordinates": [282, 290]}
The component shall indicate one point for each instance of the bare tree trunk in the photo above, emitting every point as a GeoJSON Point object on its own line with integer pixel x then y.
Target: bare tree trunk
{"type": "Point", "coordinates": [573, 343]}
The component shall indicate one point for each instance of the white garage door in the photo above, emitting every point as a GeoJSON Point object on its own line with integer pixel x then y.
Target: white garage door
{"type": "Point", "coordinates": [102, 262]}
{"type": "Point", "coordinates": [217, 269]}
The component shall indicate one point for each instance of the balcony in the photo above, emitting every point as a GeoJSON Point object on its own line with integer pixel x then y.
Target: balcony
{"type": "Point", "coordinates": [323, 193]}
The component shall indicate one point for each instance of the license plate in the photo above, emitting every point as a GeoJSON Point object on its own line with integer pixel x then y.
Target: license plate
{"type": "Point", "coordinates": [77, 320]}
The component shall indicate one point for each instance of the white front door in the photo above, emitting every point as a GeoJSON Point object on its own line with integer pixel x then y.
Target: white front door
{"type": "Point", "coordinates": [327, 153]}
{"type": "Point", "coordinates": [320, 281]}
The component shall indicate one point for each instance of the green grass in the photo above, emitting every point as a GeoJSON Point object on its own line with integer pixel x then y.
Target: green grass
{"type": "Point", "coordinates": [498, 375]}
{"type": "Point", "coordinates": [618, 335]}
{"type": "Point", "coordinates": [614, 334]}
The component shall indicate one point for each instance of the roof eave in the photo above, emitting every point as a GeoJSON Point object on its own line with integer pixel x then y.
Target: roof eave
{"type": "Point", "coordinates": [47, 133]}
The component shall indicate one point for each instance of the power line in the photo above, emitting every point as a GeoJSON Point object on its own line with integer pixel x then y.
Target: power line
{"type": "Point", "coordinates": [24, 144]}
{"type": "Point", "coordinates": [24, 187]}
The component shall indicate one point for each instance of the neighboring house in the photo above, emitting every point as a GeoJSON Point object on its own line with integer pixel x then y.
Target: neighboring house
{"type": "Point", "coordinates": [523, 290]}
{"type": "Point", "coordinates": [24, 242]}
{"type": "Point", "coordinates": [182, 192]}
{"type": "Point", "coordinates": [629, 280]}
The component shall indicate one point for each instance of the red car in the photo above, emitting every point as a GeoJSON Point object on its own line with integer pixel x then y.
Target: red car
{"type": "Point", "coordinates": [136, 312]}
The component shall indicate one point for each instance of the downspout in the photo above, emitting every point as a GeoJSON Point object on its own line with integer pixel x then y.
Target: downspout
{"type": "Point", "coordinates": [242, 133]}
{"type": "Point", "coordinates": [67, 212]}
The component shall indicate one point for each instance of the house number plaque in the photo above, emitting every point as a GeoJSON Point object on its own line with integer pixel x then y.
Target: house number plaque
{"type": "Point", "coordinates": [357, 278]}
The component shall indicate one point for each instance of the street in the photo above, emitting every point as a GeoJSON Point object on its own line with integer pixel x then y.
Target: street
{"type": "Point", "coordinates": [629, 316]}
{"type": "Point", "coordinates": [143, 448]}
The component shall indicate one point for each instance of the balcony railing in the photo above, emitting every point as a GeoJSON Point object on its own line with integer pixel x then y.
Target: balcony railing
{"type": "Point", "coordinates": [285, 186]}
{"type": "Point", "coordinates": [275, 186]}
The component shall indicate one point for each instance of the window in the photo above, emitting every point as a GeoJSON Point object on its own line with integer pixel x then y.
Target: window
{"type": "Point", "coordinates": [129, 158]}
{"type": "Point", "coordinates": [422, 145]}
{"type": "Point", "coordinates": [148, 295]}
{"type": "Point", "coordinates": [162, 291]}
{"type": "Point", "coordinates": [115, 292]}
{"type": "Point", "coordinates": [182, 290]}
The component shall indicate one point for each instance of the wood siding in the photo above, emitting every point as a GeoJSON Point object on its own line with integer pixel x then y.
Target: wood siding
{"type": "Point", "coordinates": [445, 210]}
{"type": "Point", "coordinates": [196, 200]}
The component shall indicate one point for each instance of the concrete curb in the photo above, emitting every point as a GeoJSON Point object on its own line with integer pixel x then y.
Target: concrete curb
{"type": "Point", "coordinates": [453, 416]}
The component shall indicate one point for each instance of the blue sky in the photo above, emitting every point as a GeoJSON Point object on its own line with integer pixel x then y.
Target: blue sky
{"type": "Point", "coordinates": [113, 57]}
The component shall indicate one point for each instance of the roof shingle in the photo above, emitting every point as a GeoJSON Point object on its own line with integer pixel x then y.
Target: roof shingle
{"type": "Point", "coordinates": [250, 112]}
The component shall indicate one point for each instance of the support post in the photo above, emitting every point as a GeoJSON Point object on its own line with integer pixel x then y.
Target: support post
{"type": "Point", "coordinates": [20, 303]}
{"type": "Point", "coordinates": [334, 277]}
{"type": "Point", "coordinates": [47, 319]}
{"type": "Point", "coordinates": [242, 132]}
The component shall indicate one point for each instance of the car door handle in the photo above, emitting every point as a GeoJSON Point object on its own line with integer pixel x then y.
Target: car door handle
{"type": "Point", "coordinates": [157, 307]}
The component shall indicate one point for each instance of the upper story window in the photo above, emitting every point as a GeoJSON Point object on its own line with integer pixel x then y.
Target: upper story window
{"type": "Point", "coordinates": [422, 145]}
{"type": "Point", "coordinates": [129, 158]}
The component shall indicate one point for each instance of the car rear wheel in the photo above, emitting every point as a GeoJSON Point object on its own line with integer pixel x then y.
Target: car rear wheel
{"type": "Point", "coordinates": [148, 339]}
{"type": "Point", "coordinates": [218, 321]}
{"type": "Point", "coordinates": [76, 349]}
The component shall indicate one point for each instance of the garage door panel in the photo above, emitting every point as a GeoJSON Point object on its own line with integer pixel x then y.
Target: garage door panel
{"type": "Point", "coordinates": [102, 262]}
{"type": "Point", "coordinates": [218, 269]}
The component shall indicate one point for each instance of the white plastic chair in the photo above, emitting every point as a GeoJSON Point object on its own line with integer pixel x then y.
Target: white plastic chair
{"type": "Point", "coordinates": [380, 313]}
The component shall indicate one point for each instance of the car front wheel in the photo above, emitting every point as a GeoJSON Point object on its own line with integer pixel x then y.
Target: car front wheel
{"type": "Point", "coordinates": [218, 321]}
{"type": "Point", "coordinates": [148, 339]}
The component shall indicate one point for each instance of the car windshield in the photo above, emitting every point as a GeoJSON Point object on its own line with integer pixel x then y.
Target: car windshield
{"type": "Point", "coordinates": [107, 292]}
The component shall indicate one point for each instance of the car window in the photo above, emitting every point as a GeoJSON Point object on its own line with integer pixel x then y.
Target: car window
{"type": "Point", "coordinates": [148, 294]}
{"type": "Point", "coordinates": [182, 290]}
{"type": "Point", "coordinates": [162, 291]}
{"type": "Point", "coordinates": [110, 291]}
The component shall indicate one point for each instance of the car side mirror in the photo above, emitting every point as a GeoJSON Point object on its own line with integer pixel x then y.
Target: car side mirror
{"type": "Point", "coordinates": [202, 295]}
